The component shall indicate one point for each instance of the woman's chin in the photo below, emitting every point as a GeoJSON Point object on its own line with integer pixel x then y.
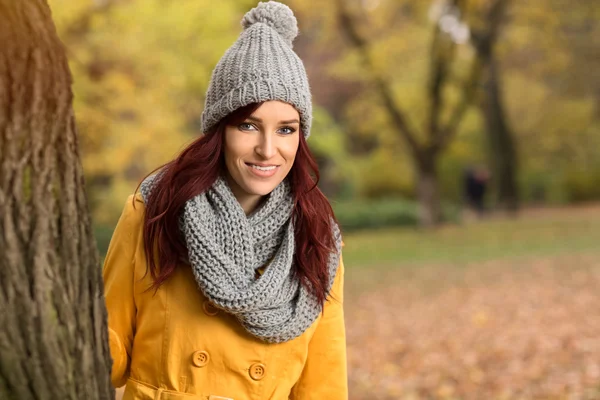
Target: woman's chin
{"type": "Point", "coordinates": [260, 187]}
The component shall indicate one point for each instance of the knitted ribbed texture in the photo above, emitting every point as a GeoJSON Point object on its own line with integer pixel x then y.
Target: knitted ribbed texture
{"type": "Point", "coordinates": [260, 66]}
{"type": "Point", "coordinates": [226, 247]}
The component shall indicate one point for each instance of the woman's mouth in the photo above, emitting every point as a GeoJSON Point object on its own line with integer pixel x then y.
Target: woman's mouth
{"type": "Point", "coordinates": [262, 170]}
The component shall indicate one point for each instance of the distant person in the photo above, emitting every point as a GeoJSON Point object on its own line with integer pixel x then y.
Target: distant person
{"type": "Point", "coordinates": [224, 277]}
{"type": "Point", "coordinates": [475, 188]}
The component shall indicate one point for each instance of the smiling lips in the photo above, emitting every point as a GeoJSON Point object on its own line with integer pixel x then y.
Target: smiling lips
{"type": "Point", "coordinates": [263, 170]}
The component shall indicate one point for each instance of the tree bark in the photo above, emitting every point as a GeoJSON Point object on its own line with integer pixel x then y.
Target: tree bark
{"type": "Point", "coordinates": [428, 194]}
{"type": "Point", "coordinates": [53, 331]}
{"type": "Point", "coordinates": [500, 138]}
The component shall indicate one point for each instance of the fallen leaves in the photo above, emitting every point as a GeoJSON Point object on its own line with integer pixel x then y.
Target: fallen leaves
{"type": "Point", "coordinates": [526, 329]}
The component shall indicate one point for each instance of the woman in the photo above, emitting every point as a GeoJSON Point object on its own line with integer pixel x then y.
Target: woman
{"type": "Point", "coordinates": [224, 277]}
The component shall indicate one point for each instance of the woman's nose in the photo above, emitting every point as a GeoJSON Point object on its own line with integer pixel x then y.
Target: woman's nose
{"type": "Point", "coordinates": [266, 147]}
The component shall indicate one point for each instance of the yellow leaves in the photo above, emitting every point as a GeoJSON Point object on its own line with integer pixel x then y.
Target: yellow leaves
{"type": "Point", "coordinates": [554, 132]}
{"type": "Point", "coordinates": [378, 174]}
{"type": "Point", "coordinates": [66, 12]}
{"type": "Point", "coordinates": [476, 375]}
{"type": "Point", "coordinates": [445, 391]}
{"type": "Point", "coordinates": [480, 319]}
{"type": "Point", "coordinates": [390, 369]}
{"type": "Point", "coordinates": [120, 85]}
{"type": "Point", "coordinates": [140, 70]}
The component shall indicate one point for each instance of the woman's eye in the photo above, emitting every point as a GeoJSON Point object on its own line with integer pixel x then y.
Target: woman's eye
{"type": "Point", "coordinates": [286, 130]}
{"type": "Point", "coordinates": [246, 127]}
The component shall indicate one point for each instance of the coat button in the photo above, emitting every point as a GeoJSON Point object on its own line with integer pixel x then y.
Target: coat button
{"type": "Point", "coordinates": [257, 371]}
{"type": "Point", "coordinates": [200, 358]}
{"type": "Point", "coordinates": [209, 308]}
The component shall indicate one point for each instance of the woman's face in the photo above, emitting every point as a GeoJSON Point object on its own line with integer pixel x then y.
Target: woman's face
{"type": "Point", "coordinates": [260, 151]}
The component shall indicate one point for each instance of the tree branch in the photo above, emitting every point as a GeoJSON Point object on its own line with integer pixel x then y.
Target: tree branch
{"type": "Point", "coordinates": [483, 43]}
{"type": "Point", "coordinates": [449, 131]}
{"type": "Point", "coordinates": [383, 86]}
{"type": "Point", "coordinates": [437, 76]}
{"type": "Point", "coordinates": [442, 53]}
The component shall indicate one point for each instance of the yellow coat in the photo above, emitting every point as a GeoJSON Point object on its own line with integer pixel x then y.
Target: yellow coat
{"type": "Point", "coordinates": [174, 345]}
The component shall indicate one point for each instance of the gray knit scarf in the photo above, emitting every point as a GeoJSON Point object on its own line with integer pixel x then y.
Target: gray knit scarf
{"type": "Point", "coordinates": [226, 247]}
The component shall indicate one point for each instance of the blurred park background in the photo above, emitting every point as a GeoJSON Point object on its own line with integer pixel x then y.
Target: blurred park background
{"type": "Point", "coordinates": [414, 101]}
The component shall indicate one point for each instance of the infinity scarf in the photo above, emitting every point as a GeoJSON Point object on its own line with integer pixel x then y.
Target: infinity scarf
{"type": "Point", "coordinates": [226, 247]}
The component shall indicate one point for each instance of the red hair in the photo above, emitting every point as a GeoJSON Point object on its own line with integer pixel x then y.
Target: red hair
{"type": "Point", "coordinates": [196, 169]}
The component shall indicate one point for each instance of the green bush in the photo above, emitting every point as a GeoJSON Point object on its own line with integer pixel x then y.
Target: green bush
{"type": "Point", "coordinates": [390, 212]}
{"type": "Point", "coordinates": [582, 185]}
{"type": "Point", "coordinates": [541, 187]}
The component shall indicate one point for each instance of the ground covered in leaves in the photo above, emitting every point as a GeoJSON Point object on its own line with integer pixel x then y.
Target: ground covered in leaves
{"type": "Point", "coordinates": [514, 328]}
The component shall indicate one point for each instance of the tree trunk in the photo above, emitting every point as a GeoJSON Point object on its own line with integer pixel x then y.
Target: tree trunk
{"type": "Point", "coordinates": [428, 192]}
{"type": "Point", "coordinates": [500, 138]}
{"type": "Point", "coordinates": [53, 331]}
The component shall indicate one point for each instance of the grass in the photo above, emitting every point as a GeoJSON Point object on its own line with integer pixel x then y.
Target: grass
{"type": "Point", "coordinates": [535, 233]}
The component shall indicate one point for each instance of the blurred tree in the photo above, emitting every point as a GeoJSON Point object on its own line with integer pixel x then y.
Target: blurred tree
{"type": "Point", "coordinates": [549, 57]}
{"type": "Point", "coordinates": [329, 148]}
{"type": "Point", "coordinates": [425, 148]}
{"type": "Point", "coordinates": [53, 330]}
{"type": "Point", "coordinates": [559, 43]}
{"type": "Point", "coordinates": [546, 59]}
{"type": "Point", "coordinates": [142, 68]}
{"type": "Point", "coordinates": [502, 146]}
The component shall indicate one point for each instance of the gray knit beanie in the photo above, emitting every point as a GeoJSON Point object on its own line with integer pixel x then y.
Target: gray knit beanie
{"type": "Point", "coordinates": [260, 66]}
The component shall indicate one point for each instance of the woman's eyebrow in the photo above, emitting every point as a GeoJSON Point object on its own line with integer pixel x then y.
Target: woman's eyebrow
{"type": "Point", "coordinates": [256, 119]}
{"type": "Point", "coordinates": [291, 121]}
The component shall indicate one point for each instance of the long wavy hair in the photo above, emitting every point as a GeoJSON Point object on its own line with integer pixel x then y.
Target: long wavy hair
{"type": "Point", "coordinates": [197, 168]}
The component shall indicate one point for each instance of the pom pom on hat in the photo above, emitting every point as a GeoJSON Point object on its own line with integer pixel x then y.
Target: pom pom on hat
{"type": "Point", "coordinates": [260, 66]}
{"type": "Point", "coordinates": [276, 15]}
